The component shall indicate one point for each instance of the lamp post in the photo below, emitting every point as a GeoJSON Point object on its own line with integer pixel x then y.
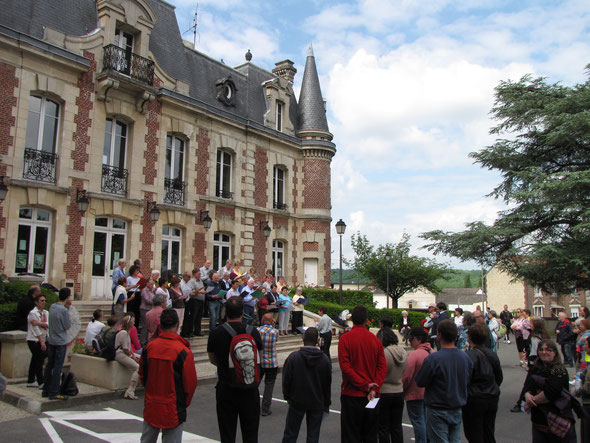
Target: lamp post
{"type": "Point", "coordinates": [340, 229]}
{"type": "Point", "coordinates": [387, 257]}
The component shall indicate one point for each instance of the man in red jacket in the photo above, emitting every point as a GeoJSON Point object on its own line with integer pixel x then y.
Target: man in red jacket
{"type": "Point", "coordinates": [363, 365]}
{"type": "Point", "coordinates": [167, 371]}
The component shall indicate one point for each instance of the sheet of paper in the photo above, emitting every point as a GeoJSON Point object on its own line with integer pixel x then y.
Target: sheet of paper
{"type": "Point", "coordinates": [372, 403]}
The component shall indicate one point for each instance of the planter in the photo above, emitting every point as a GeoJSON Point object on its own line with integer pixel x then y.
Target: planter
{"type": "Point", "coordinates": [97, 371]}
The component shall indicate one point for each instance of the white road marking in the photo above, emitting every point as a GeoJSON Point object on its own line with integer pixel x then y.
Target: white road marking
{"type": "Point", "coordinates": [53, 435]}
{"type": "Point", "coordinates": [65, 418]}
{"type": "Point", "coordinates": [280, 400]}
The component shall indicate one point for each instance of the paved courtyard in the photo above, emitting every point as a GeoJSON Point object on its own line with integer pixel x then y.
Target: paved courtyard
{"type": "Point", "coordinates": [120, 420]}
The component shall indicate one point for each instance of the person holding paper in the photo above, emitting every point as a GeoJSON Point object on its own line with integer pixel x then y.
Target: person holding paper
{"type": "Point", "coordinates": [249, 302]}
{"type": "Point", "coordinates": [214, 300]}
{"type": "Point", "coordinates": [363, 365]}
{"type": "Point", "coordinates": [298, 307]}
{"type": "Point", "coordinates": [445, 376]}
{"type": "Point", "coordinates": [284, 302]}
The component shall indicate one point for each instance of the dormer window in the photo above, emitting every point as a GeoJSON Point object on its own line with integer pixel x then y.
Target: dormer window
{"type": "Point", "coordinates": [279, 116]}
{"type": "Point", "coordinates": [124, 40]}
{"type": "Point", "coordinates": [226, 91]}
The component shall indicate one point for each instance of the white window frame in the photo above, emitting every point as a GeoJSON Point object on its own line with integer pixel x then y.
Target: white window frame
{"type": "Point", "coordinates": [34, 223]}
{"type": "Point", "coordinates": [172, 143]}
{"type": "Point", "coordinates": [39, 146]}
{"type": "Point", "coordinates": [278, 197]}
{"type": "Point", "coordinates": [171, 238]}
{"type": "Point", "coordinates": [220, 165]}
{"type": "Point", "coordinates": [574, 311]}
{"type": "Point", "coordinates": [112, 143]}
{"type": "Point", "coordinates": [539, 311]}
{"type": "Point", "coordinates": [219, 243]}
{"type": "Point", "coordinates": [278, 248]}
{"type": "Point", "coordinates": [279, 115]}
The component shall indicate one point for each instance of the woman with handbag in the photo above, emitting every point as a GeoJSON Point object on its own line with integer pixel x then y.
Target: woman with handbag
{"type": "Point", "coordinates": [546, 384]}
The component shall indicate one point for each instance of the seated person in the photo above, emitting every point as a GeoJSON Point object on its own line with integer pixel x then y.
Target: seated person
{"type": "Point", "coordinates": [125, 355]}
{"type": "Point", "coordinates": [94, 327]}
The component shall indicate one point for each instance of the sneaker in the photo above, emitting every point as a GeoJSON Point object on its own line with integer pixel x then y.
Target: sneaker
{"type": "Point", "coordinates": [508, 342]}
{"type": "Point", "coordinates": [58, 397]}
{"type": "Point", "coordinates": [516, 408]}
{"type": "Point", "coordinates": [265, 413]}
{"type": "Point", "coordinates": [41, 386]}
{"type": "Point", "coordinates": [33, 385]}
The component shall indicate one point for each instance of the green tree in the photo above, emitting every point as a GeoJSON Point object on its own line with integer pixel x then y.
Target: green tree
{"type": "Point", "coordinates": [406, 272]}
{"type": "Point", "coordinates": [543, 154]}
{"type": "Point", "coordinates": [467, 281]}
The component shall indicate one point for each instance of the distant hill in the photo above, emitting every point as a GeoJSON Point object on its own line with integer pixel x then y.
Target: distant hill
{"type": "Point", "coordinates": [458, 278]}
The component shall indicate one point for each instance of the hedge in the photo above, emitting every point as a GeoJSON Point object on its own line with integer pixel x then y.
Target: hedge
{"type": "Point", "coordinates": [10, 293]}
{"type": "Point", "coordinates": [349, 297]}
{"type": "Point", "coordinates": [375, 314]}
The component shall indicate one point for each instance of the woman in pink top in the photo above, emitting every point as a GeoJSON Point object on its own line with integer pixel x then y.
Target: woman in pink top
{"type": "Point", "coordinates": [522, 331]}
{"type": "Point", "coordinates": [414, 395]}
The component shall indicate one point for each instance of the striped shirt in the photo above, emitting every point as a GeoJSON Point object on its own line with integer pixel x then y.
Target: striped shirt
{"type": "Point", "coordinates": [269, 346]}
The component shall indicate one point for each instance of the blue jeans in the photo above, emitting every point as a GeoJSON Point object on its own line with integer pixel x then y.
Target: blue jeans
{"type": "Point", "coordinates": [248, 318]}
{"type": "Point", "coordinates": [56, 356]}
{"type": "Point", "coordinates": [417, 415]}
{"type": "Point", "coordinates": [444, 425]}
{"type": "Point", "coordinates": [293, 424]}
{"type": "Point", "coordinates": [214, 307]}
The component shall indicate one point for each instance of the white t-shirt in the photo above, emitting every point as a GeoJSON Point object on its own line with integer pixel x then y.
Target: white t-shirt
{"type": "Point", "coordinates": [166, 294]}
{"type": "Point", "coordinates": [93, 328]}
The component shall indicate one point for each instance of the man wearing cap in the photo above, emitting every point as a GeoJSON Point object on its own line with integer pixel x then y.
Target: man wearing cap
{"type": "Point", "coordinates": [414, 395]}
{"type": "Point", "coordinates": [167, 370]}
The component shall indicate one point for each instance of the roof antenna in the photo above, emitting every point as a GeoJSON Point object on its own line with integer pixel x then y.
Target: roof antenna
{"type": "Point", "coordinates": [194, 27]}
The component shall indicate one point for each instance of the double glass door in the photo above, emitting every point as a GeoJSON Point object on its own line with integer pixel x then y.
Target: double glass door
{"type": "Point", "coordinates": [110, 238]}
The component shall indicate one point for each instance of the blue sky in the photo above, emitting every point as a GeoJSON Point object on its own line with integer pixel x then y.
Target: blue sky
{"type": "Point", "coordinates": [409, 85]}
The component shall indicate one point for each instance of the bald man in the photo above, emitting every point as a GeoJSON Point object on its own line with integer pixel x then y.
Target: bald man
{"type": "Point", "coordinates": [269, 362]}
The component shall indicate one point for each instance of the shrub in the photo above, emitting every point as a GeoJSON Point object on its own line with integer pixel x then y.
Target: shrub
{"type": "Point", "coordinates": [349, 297]}
{"type": "Point", "coordinates": [375, 314]}
{"type": "Point", "coordinates": [10, 293]}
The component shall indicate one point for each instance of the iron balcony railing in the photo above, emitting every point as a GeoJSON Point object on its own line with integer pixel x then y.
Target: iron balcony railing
{"type": "Point", "coordinates": [126, 62]}
{"type": "Point", "coordinates": [40, 165]}
{"type": "Point", "coordinates": [224, 194]}
{"type": "Point", "coordinates": [114, 180]}
{"type": "Point", "coordinates": [174, 191]}
{"type": "Point", "coordinates": [281, 206]}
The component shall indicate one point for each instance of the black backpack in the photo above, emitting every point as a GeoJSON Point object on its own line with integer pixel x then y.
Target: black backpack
{"type": "Point", "coordinates": [68, 386]}
{"type": "Point", "coordinates": [99, 343]}
{"type": "Point", "coordinates": [109, 350]}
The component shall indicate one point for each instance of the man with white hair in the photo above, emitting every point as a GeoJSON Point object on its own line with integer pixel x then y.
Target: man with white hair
{"type": "Point", "coordinates": [226, 270]}
{"type": "Point", "coordinates": [249, 302]}
{"type": "Point", "coordinates": [118, 272]}
{"type": "Point", "coordinates": [565, 337]}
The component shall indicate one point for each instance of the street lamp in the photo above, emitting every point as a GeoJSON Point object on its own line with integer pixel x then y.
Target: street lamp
{"type": "Point", "coordinates": [204, 217]}
{"type": "Point", "coordinates": [263, 225]}
{"type": "Point", "coordinates": [82, 200]}
{"type": "Point", "coordinates": [152, 209]}
{"type": "Point", "coordinates": [3, 188]}
{"type": "Point", "coordinates": [387, 257]}
{"type": "Point", "coordinates": [340, 229]}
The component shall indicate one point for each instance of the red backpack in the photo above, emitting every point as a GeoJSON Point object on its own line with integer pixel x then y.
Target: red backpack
{"type": "Point", "coordinates": [244, 357]}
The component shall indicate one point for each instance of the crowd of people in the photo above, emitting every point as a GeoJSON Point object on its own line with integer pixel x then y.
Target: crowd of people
{"type": "Point", "coordinates": [449, 382]}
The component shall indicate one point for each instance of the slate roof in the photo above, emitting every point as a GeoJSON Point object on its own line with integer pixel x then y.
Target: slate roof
{"type": "Point", "coordinates": [452, 296]}
{"type": "Point", "coordinates": [200, 72]}
{"type": "Point", "coordinates": [312, 111]}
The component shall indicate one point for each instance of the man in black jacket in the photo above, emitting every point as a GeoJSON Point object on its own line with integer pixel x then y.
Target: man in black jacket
{"type": "Point", "coordinates": [441, 314]}
{"type": "Point", "coordinates": [565, 337]}
{"type": "Point", "coordinates": [307, 378]}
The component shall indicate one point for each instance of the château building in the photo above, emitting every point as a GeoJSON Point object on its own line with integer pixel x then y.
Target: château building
{"type": "Point", "coordinates": [119, 139]}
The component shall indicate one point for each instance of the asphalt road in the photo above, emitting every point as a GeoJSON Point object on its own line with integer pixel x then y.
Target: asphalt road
{"type": "Point", "coordinates": [120, 420]}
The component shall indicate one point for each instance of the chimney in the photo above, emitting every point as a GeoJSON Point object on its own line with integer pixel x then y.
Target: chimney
{"type": "Point", "coordinates": [285, 70]}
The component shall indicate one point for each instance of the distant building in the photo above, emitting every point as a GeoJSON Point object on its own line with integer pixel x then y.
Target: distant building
{"type": "Point", "coordinates": [105, 110]}
{"type": "Point", "coordinates": [465, 298]}
{"type": "Point", "coordinates": [417, 299]}
{"type": "Point", "coordinates": [502, 289]}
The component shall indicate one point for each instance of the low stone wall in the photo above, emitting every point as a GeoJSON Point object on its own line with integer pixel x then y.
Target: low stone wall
{"type": "Point", "coordinates": [16, 356]}
{"type": "Point", "coordinates": [97, 371]}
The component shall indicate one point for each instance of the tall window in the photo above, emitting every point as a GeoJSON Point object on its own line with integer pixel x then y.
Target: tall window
{"type": "Point", "coordinates": [174, 158]}
{"type": "Point", "coordinates": [538, 311]}
{"type": "Point", "coordinates": [278, 182]}
{"type": "Point", "coordinates": [223, 186]}
{"type": "Point", "coordinates": [278, 253]}
{"type": "Point", "coordinates": [221, 249]}
{"type": "Point", "coordinates": [115, 143]}
{"type": "Point", "coordinates": [32, 252]}
{"type": "Point", "coordinates": [171, 248]}
{"type": "Point", "coordinates": [42, 124]}
{"type": "Point", "coordinates": [574, 311]}
{"type": "Point", "coordinates": [124, 40]}
{"type": "Point", "coordinates": [279, 116]}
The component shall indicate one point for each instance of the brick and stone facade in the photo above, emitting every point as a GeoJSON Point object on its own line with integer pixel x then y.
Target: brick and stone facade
{"type": "Point", "coordinates": [71, 67]}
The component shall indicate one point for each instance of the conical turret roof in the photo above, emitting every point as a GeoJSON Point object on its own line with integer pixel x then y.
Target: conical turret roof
{"type": "Point", "coordinates": [311, 111]}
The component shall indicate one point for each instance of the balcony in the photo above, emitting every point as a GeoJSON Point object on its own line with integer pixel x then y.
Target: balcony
{"type": "Point", "coordinates": [127, 63]}
{"type": "Point", "coordinates": [40, 165]}
{"type": "Point", "coordinates": [174, 192]}
{"type": "Point", "coordinates": [224, 194]}
{"type": "Point", "coordinates": [114, 180]}
{"type": "Point", "coordinates": [280, 206]}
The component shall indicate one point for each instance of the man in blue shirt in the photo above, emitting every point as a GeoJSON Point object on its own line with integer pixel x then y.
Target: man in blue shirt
{"type": "Point", "coordinates": [57, 344]}
{"type": "Point", "coordinates": [445, 375]}
{"type": "Point", "coordinates": [118, 272]}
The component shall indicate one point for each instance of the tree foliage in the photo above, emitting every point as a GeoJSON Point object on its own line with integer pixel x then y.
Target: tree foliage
{"type": "Point", "coordinates": [543, 154]}
{"type": "Point", "coordinates": [406, 272]}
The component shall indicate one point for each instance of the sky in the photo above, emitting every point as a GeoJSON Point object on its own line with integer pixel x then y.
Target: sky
{"type": "Point", "coordinates": [409, 85]}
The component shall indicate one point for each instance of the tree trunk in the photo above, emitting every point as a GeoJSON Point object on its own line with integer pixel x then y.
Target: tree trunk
{"type": "Point", "coordinates": [393, 302]}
